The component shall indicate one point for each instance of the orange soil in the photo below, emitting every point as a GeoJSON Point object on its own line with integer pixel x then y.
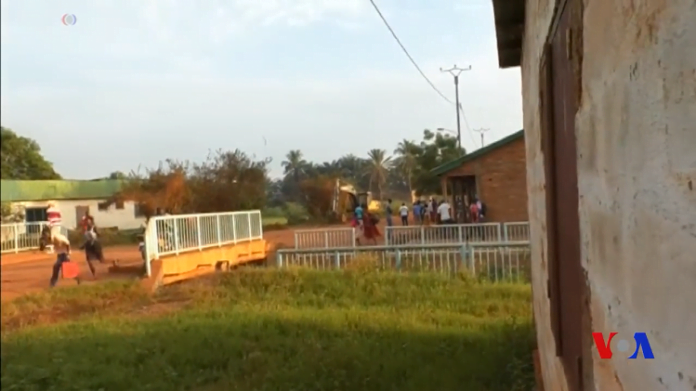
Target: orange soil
{"type": "Point", "coordinates": [30, 271]}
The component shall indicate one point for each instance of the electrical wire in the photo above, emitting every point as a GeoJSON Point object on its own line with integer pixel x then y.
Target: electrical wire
{"type": "Point", "coordinates": [403, 48]}
{"type": "Point", "coordinates": [466, 123]}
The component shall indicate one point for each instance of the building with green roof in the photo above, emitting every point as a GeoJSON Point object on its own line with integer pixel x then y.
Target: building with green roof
{"type": "Point", "coordinates": [73, 198]}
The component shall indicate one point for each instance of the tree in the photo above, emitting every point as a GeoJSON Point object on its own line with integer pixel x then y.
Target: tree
{"type": "Point", "coordinates": [435, 149]}
{"type": "Point", "coordinates": [378, 167]}
{"type": "Point", "coordinates": [294, 164]}
{"type": "Point", "coordinates": [294, 167]}
{"type": "Point", "coordinates": [407, 160]}
{"type": "Point", "coordinates": [117, 175]}
{"type": "Point", "coordinates": [21, 158]}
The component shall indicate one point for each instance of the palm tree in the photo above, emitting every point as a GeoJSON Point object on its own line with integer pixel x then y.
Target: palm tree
{"type": "Point", "coordinates": [294, 164]}
{"type": "Point", "coordinates": [406, 162]}
{"type": "Point", "coordinates": [378, 165]}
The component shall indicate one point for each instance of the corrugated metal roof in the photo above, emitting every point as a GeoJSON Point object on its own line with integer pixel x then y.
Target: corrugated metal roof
{"type": "Point", "coordinates": [13, 191]}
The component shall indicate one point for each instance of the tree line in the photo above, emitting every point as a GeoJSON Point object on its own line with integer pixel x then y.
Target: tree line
{"type": "Point", "coordinates": [233, 180]}
{"type": "Point", "coordinates": [406, 169]}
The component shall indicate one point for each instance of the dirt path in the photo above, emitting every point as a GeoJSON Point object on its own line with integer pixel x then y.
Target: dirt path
{"type": "Point", "coordinates": [30, 271]}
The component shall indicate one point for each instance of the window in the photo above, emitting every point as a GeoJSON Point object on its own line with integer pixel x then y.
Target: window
{"type": "Point", "coordinates": [103, 206]}
{"type": "Point", "coordinates": [120, 204]}
{"type": "Point", "coordinates": [139, 210]}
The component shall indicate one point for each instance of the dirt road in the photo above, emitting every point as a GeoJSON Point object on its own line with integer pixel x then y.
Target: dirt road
{"type": "Point", "coordinates": [30, 271]}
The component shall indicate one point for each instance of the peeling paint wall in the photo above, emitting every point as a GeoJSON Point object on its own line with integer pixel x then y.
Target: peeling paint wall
{"type": "Point", "coordinates": [636, 140]}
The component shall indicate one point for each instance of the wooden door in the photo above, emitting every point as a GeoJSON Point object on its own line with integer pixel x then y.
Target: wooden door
{"type": "Point", "coordinates": [560, 104]}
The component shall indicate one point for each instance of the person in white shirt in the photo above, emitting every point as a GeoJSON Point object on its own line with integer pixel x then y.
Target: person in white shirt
{"type": "Point", "coordinates": [54, 218]}
{"type": "Point", "coordinates": [403, 211]}
{"type": "Point", "coordinates": [445, 212]}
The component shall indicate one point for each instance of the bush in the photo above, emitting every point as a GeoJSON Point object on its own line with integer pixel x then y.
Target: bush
{"type": "Point", "coordinates": [109, 236]}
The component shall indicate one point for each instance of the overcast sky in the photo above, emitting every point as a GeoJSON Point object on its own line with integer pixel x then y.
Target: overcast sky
{"type": "Point", "coordinates": [141, 81]}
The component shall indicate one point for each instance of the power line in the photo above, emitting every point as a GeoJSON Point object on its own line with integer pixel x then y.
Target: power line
{"type": "Point", "coordinates": [466, 122]}
{"type": "Point", "coordinates": [403, 48]}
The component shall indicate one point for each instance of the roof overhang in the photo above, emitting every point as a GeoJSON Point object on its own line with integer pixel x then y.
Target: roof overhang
{"type": "Point", "coordinates": [509, 30]}
{"type": "Point", "coordinates": [454, 164]}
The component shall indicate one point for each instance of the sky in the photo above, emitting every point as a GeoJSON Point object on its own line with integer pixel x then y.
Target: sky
{"type": "Point", "coordinates": [133, 83]}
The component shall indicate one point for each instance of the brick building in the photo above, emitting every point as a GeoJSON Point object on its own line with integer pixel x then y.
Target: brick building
{"type": "Point", "coordinates": [496, 173]}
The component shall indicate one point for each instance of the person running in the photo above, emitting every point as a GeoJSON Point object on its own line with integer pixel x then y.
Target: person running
{"type": "Point", "coordinates": [403, 211]}
{"type": "Point", "coordinates": [358, 214]}
{"type": "Point", "coordinates": [61, 246]}
{"type": "Point", "coordinates": [54, 218]}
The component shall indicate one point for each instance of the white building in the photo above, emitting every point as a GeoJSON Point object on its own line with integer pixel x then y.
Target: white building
{"type": "Point", "coordinates": [73, 198]}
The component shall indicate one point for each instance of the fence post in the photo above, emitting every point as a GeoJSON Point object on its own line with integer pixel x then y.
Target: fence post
{"type": "Point", "coordinates": [15, 229]}
{"type": "Point", "coordinates": [506, 234]}
{"type": "Point", "coordinates": [198, 230]}
{"type": "Point", "coordinates": [499, 229]}
{"type": "Point", "coordinates": [463, 253]}
{"type": "Point", "coordinates": [460, 232]}
{"type": "Point", "coordinates": [176, 235]}
{"type": "Point", "coordinates": [422, 232]}
{"type": "Point", "coordinates": [249, 224]}
{"type": "Point", "coordinates": [279, 259]}
{"type": "Point", "coordinates": [297, 240]}
{"type": "Point", "coordinates": [352, 234]}
{"type": "Point", "coordinates": [219, 231]}
{"type": "Point", "coordinates": [398, 259]}
{"type": "Point", "coordinates": [337, 259]}
{"type": "Point", "coordinates": [234, 228]}
{"type": "Point", "coordinates": [387, 234]}
{"type": "Point", "coordinates": [326, 239]}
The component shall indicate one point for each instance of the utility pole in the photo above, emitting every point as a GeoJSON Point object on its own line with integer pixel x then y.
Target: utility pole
{"type": "Point", "coordinates": [481, 131]}
{"type": "Point", "coordinates": [455, 71]}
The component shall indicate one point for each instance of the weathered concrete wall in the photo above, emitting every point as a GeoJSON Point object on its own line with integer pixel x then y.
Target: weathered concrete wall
{"type": "Point", "coordinates": [636, 135]}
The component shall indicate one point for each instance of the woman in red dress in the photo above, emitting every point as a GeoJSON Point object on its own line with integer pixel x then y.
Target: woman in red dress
{"type": "Point", "coordinates": [370, 231]}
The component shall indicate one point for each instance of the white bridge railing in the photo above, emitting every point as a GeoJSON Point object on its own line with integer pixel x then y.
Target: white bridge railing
{"type": "Point", "coordinates": [176, 234]}
{"type": "Point", "coordinates": [457, 233]}
{"type": "Point", "coordinates": [18, 237]}
{"type": "Point", "coordinates": [325, 238]}
{"type": "Point", "coordinates": [504, 261]}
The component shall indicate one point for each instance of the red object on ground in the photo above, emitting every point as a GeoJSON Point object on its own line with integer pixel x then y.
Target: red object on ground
{"type": "Point", "coordinates": [70, 270]}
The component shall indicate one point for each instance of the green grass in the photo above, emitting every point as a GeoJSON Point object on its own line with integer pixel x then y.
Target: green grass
{"type": "Point", "coordinates": [274, 330]}
{"type": "Point", "coordinates": [274, 221]}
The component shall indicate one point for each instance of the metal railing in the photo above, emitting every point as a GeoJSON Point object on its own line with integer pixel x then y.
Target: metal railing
{"type": "Point", "coordinates": [454, 233]}
{"type": "Point", "coordinates": [516, 231]}
{"type": "Point", "coordinates": [18, 237]}
{"type": "Point", "coordinates": [176, 234]}
{"type": "Point", "coordinates": [509, 261]}
{"type": "Point", "coordinates": [325, 238]}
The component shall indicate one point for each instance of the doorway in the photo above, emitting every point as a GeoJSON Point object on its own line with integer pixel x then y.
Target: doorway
{"type": "Point", "coordinates": [464, 191]}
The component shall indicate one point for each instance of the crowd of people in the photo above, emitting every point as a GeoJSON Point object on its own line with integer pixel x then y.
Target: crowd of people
{"type": "Point", "coordinates": [432, 212]}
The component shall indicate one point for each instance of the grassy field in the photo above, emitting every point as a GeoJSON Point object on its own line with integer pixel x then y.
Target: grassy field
{"type": "Point", "coordinates": [274, 330]}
